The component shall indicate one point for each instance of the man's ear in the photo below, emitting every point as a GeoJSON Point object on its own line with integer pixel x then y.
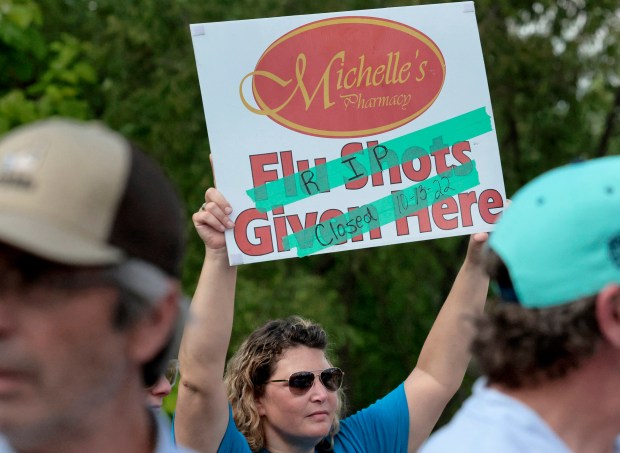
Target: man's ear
{"type": "Point", "coordinates": [608, 313]}
{"type": "Point", "coordinates": [149, 334]}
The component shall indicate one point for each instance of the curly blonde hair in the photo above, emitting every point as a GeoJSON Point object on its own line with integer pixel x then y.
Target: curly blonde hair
{"type": "Point", "coordinates": [253, 365]}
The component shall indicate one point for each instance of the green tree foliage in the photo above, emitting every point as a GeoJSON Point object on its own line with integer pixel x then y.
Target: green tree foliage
{"type": "Point", "coordinates": [38, 78]}
{"type": "Point", "coordinates": [553, 73]}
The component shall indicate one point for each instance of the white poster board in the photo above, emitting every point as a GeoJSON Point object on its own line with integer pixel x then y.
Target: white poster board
{"type": "Point", "coordinates": [348, 130]}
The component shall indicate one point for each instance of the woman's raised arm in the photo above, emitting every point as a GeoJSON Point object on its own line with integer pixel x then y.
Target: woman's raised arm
{"type": "Point", "coordinates": [201, 413]}
{"type": "Point", "coordinates": [445, 355]}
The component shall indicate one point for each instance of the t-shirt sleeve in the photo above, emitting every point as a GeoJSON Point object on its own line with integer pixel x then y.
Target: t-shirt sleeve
{"type": "Point", "coordinates": [383, 427]}
{"type": "Point", "coordinates": [233, 441]}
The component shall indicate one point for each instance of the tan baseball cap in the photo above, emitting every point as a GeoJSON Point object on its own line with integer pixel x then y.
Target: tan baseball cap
{"type": "Point", "coordinates": [79, 193]}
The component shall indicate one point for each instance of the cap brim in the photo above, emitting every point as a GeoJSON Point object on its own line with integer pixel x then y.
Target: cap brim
{"type": "Point", "coordinates": [49, 242]}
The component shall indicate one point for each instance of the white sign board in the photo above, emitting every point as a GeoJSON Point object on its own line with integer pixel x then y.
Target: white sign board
{"type": "Point", "coordinates": [347, 130]}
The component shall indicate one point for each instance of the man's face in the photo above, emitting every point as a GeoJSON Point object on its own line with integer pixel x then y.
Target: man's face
{"type": "Point", "coordinates": [61, 359]}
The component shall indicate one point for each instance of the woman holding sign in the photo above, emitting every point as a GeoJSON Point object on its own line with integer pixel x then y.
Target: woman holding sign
{"type": "Point", "coordinates": [281, 393]}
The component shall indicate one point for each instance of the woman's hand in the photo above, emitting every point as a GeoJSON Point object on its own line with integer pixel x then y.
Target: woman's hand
{"type": "Point", "coordinates": [211, 220]}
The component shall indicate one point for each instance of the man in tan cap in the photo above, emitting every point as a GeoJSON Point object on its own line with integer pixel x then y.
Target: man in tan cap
{"type": "Point", "coordinates": [91, 242]}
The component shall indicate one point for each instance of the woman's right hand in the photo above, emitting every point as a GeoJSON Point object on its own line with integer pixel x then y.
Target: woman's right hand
{"type": "Point", "coordinates": [212, 219]}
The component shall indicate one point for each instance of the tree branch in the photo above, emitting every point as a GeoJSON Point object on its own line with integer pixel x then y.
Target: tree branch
{"type": "Point", "coordinates": [612, 116]}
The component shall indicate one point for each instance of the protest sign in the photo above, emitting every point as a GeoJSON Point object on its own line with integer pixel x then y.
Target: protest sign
{"type": "Point", "coordinates": [347, 130]}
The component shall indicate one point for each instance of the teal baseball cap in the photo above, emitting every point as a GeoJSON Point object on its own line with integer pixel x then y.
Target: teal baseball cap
{"type": "Point", "coordinates": [560, 236]}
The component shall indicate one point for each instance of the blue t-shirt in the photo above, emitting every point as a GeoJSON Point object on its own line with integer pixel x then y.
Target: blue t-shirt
{"type": "Point", "coordinates": [383, 427]}
{"type": "Point", "coordinates": [490, 422]}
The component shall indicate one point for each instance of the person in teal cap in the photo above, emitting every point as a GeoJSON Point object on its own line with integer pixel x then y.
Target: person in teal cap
{"type": "Point", "coordinates": [549, 351]}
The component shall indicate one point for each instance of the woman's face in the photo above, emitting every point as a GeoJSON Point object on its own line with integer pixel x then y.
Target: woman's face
{"type": "Point", "coordinates": [155, 395]}
{"type": "Point", "coordinates": [296, 418]}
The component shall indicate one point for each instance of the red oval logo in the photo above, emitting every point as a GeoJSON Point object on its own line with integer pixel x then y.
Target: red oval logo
{"type": "Point", "coordinates": [347, 77]}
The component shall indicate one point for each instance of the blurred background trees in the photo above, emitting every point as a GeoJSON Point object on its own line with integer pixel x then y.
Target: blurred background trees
{"type": "Point", "coordinates": [553, 69]}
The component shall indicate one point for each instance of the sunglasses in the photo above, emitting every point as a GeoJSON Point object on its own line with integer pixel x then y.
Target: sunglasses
{"type": "Point", "coordinates": [301, 381]}
{"type": "Point", "coordinates": [172, 372]}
